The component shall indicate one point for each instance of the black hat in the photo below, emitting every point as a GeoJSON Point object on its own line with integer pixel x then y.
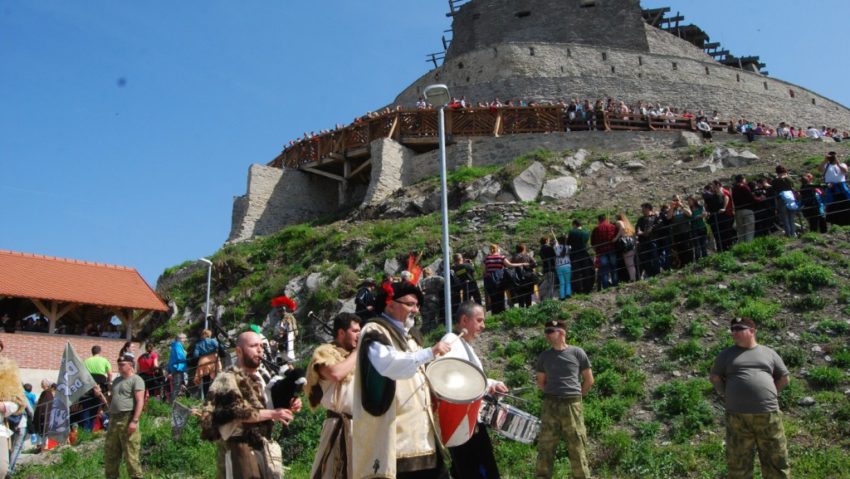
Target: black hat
{"type": "Point", "coordinates": [390, 291]}
{"type": "Point", "coordinates": [555, 324]}
{"type": "Point", "coordinates": [743, 322]}
{"type": "Point", "coordinates": [127, 357]}
{"type": "Point", "coordinates": [367, 282]}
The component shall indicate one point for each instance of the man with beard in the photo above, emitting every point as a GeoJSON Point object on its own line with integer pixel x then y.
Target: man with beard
{"type": "Point", "coordinates": [329, 382]}
{"type": "Point", "coordinates": [392, 401]}
{"type": "Point", "coordinates": [473, 459]}
{"type": "Point", "coordinates": [236, 414]}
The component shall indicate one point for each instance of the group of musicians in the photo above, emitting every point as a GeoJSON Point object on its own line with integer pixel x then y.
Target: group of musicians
{"type": "Point", "coordinates": [372, 381]}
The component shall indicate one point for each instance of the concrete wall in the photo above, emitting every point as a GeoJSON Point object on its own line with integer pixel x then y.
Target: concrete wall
{"type": "Point", "coordinates": [536, 71]}
{"type": "Point", "coordinates": [388, 170]}
{"type": "Point", "coordinates": [276, 198]}
{"type": "Point", "coordinates": [609, 23]}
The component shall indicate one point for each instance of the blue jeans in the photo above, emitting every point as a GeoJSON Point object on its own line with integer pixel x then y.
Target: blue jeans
{"type": "Point", "coordinates": [608, 268]}
{"type": "Point", "coordinates": [787, 218]}
{"type": "Point", "coordinates": [564, 273]}
{"type": "Point", "coordinates": [17, 447]}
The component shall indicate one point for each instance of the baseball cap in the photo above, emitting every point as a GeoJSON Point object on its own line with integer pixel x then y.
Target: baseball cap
{"type": "Point", "coordinates": [550, 326]}
{"type": "Point", "coordinates": [742, 323]}
{"type": "Point", "coordinates": [127, 357]}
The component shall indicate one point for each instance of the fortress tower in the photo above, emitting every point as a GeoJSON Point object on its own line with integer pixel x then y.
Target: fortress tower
{"type": "Point", "coordinates": [560, 49]}
{"type": "Point", "coordinates": [542, 50]}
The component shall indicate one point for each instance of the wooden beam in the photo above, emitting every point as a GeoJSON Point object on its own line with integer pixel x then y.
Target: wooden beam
{"type": "Point", "coordinates": [323, 173]}
{"type": "Point", "coordinates": [498, 124]}
{"type": "Point", "coordinates": [359, 168]}
{"type": "Point", "coordinates": [394, 127]}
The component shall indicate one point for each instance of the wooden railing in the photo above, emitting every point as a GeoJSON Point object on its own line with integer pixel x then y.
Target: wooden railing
{"type": "Point", "coordinates": [409, 126]}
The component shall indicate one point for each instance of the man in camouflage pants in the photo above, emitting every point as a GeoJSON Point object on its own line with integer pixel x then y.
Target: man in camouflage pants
{"type": "Point", "coordinates": [750, 377]}
{"type": "Point", "coordinates": [564, 375]}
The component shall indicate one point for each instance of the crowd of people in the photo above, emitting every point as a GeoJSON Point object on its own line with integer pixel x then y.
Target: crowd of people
{"type": "Point", "coordinates": [589, 114]}
{"type": "Point", "coordinates": [37, 323]}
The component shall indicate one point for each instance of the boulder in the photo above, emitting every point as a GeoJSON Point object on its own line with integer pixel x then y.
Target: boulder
{"type": "Point", "coordinates": [486, 189]}
{"type": "Point", "coordinates": [314, 282]}
{"type": "Point", "coordinates": [505, 196]}
{"type": "Point", "coordinates": [593, 168]}
{"type": "Point", "coordinates": [527, 185]}
{"type": "Point", "coordinates": [686, 139]}
{"type": "Point", "coordinates": [294, 286]}
{"type": "Point", "coordinates": [731, 158]}
{"type": "Point", "coordinates": [391, 266]}
{"type": "Point", "coordinates": [617, 180]}
{"type": "Point", "coordinates": [560, 188]}
{"type": "Point", "coordinates": [635, 165]}
{"type": "Point", "coordinates": [576, 161]}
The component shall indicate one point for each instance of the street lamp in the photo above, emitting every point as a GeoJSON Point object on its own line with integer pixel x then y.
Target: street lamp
{"type": "Point", "coordinates": [438, 95]}
{"type": "Point", "coordinates": [209, 279]}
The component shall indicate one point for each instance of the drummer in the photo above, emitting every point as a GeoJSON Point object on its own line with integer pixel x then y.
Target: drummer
{"type": "Point", "coordinates": [392, 401]}
{"type": "Point", "coordinates": [564, 375]}
{"type": "Point", "coordinates": [473, 459]}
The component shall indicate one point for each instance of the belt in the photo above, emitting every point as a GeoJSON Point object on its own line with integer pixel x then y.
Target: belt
{"type": "Point", "coordinates": [568, 399]}
{"type": "Point", "coordinates": [337, 415]}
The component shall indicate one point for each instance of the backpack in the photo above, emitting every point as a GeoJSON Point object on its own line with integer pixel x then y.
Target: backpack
{"type": "Point", "coordinates": [789, 200]}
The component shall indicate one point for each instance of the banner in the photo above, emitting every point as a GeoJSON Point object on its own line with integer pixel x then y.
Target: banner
{"type": "Point", "coordinates": [74, 381]}
{"type": "Point", "coordinates": [179, 417]}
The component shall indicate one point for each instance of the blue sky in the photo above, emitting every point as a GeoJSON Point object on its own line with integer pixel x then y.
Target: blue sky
{"type": "Point", "coordinates": [126, 128]}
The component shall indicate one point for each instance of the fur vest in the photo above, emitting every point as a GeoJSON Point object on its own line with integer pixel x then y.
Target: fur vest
{"type": "Point", "coordinates": [236, 396]}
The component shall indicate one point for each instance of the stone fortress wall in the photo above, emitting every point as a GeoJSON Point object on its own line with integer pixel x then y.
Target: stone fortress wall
{"type": "Point", "coordinates": [604, 56]}
{"type": "Point", "coordinates": [541, 50]}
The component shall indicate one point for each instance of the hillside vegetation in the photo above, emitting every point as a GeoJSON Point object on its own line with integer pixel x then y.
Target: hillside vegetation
{"type": "Point", "coordinates": [652, 412]}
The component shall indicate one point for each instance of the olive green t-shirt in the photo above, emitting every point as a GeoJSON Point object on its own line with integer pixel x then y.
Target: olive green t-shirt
{"type": "Point", "coordinates": [123, 389]}
{"type": "Point", "coordinates": [563, 370]}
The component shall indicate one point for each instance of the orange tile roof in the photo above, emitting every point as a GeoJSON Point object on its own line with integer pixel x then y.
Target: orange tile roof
{"type": "Point", "coordinates": [35, 276]}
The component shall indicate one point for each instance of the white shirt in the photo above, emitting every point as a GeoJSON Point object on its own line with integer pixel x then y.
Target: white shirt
{"type": "Point", "coordinates": [394, 364]}
{"type": "Point", "coordinates": [833, 174]}
{"type": "Point", "coordinates": [813, 133]}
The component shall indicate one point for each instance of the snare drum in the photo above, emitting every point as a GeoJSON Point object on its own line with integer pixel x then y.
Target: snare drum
{"type": "Point", "coordinates": [515, 424]}
{"type": "Point", "coordinates": [458, 386]}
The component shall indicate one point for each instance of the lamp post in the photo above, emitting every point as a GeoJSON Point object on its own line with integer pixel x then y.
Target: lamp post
{"type": "Point", "coordinates": [438, 95]}
{"type": "Point", "coordinates": [209, 279]}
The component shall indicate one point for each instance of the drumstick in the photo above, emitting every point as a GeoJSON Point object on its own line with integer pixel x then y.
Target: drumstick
{"type": "Point", "coordinates": [462, 332]}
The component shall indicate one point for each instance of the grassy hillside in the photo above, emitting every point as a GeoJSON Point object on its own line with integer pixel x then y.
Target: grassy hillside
{"type": "Point", "coordinates": [652, 412]}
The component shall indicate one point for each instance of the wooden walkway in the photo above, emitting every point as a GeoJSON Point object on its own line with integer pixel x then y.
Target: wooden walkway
{"type": "Point", "coordinates": [344, 154]}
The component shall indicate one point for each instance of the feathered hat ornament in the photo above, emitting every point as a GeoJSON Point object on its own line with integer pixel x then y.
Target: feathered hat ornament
{"type": "Point", "coordinates": [284, 301]}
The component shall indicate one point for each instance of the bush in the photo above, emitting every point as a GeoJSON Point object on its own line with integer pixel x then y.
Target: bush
{"type": "Point", "coordinates": [753, 287]}
{"type": "Point", "coordinates": [841, 358]}
{"type": "Point", "coordinates": [684, 404]}
{"type": "Point", "coordinates": [695, 299]}
{"type": "Point", "coordinates": [723, 262]}
{"type": "Point", "coordinates": [809, 302]}
{"type": "Point", "coordinates": [792, 356]}
{"type": "Point", "coordinates": [809, 278]}
{"type": "Point", "coordinates": [792, 260]}
{"type": "Point", "coordinates": [825, 376]}
{"type": "Point", "coordinates": [760, 249]}
{"type": "Point", "coordinates": [634, 325]}
{"type": "Point", "coordinates": [587, 322]}
{"type": "Point", "coordinates": [688, 352]}
{"type": "Point", "coordinates": [834, 326]}
{"type": "Point", "coordinates": [667, 293]}
{"type": "Point", "coordinates": [660, 317]}
{"type": "Point", "coordinates": [762, 312]}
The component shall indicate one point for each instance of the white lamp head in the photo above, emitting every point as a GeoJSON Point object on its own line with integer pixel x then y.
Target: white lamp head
{"type": "Point", "coordinates": [437, 95]}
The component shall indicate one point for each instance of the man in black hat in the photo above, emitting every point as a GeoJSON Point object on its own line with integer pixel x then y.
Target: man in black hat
{"type": "Point", "coordinates": [392, 401]}
{"type": "Point", "coordinates": [564, 375]}
{"type": "Point", "coordinates": [125, 408]}
{"type": "Point", "coordinates": [364, 301]}
{"type": "Point", "coordinates": [750, 377]}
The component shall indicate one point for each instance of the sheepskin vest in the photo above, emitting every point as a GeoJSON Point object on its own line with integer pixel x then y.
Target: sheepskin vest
{"type": "Point", "coordinates": [393, 420]}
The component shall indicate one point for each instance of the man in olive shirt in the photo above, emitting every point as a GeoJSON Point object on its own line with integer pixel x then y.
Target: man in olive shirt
{"type": "Point", "coordinates": [564, 375]}
{"type": "Point", "coordinates": [123, 437]}
{"type": "Point", "coordinates": [750, 377]}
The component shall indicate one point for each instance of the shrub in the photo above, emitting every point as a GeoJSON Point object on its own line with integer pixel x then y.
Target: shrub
{"type": "Point", "coordinates": [587, 321]}
{"type": "Point", "coordinates": [834, 326]}
{"type": "Point", "coordinates": [660, 317]}
{"type": "Point", "coordinates": [762, 312]}
{"type": "Point", "coordinates": [792, 356]}
{"type": "Point", "coordinates": [634, 325]}
{"type": "Point", "coordinates": [841, 358]}
{"type": "Point", "coordinates": [810, 277]}
{"type": "Point", "coordinates": [667, 293]}
{"type": "Point", "coordinates": [607, 383]}
{"type": "Point", "coordinates": [615, 444]}
{"type": "Point", "coordinates": [697, 329]}
{"type": "Point", "coordinates": [687, 352]}
{"type": "Point", "coordinates": [752, 287]}
{"type": "Point", "coordinates": [809, 302]}
{"type": "Point", "coordinates": [759, 249]}
{"type": "Point", "coordinates": [684, 403]}
{"type": "Point", "coordinates": [826, 376]}
{"type": "Point", "coordinates": [695, 299]}
{"type": "Point", "coordinates": [792, 260]}
{"type": "Point", "coordinates": [723, 262]}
